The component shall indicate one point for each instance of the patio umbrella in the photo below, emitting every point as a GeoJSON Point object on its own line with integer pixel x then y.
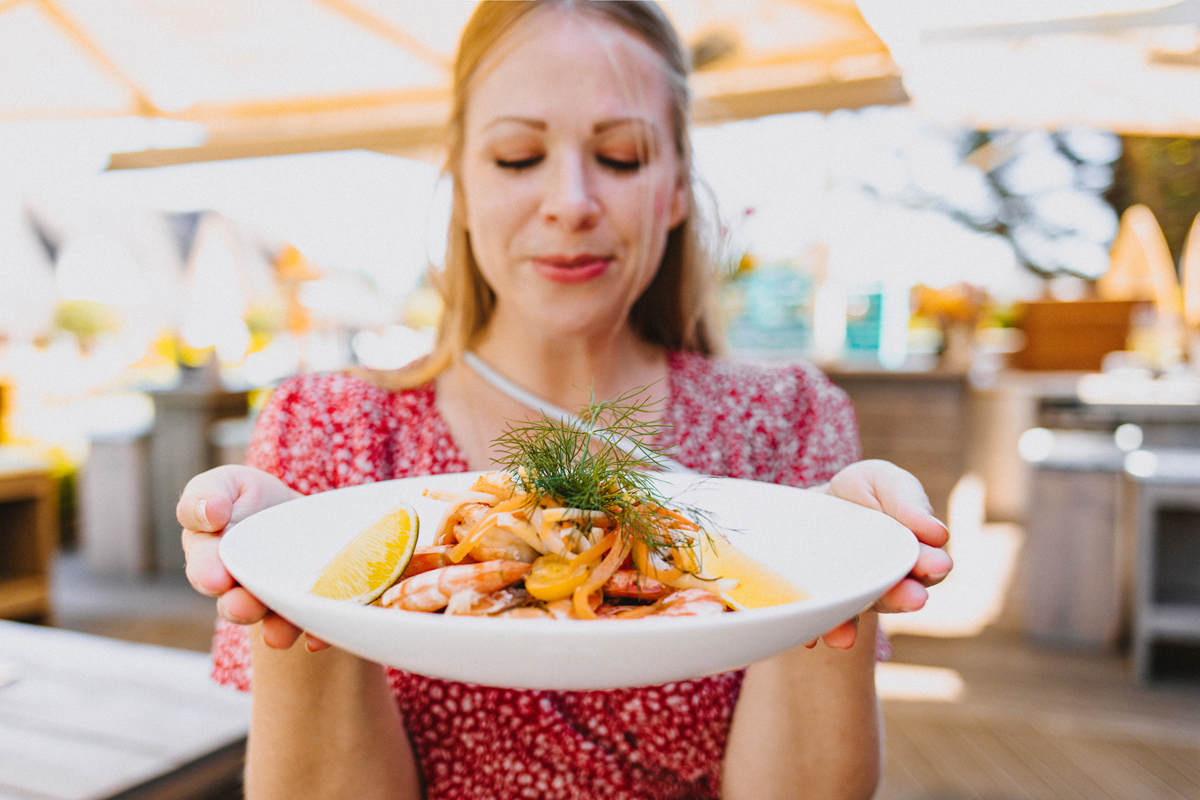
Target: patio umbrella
{"type": "Point", "coordinates": [266, 77]}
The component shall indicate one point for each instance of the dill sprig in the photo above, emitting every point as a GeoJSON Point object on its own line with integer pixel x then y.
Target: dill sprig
{"type": "Point", "coordinates": [579, 464]}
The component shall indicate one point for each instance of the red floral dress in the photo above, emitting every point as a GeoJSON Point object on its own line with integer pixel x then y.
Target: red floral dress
{"type": "Point", "coordinates": [783, 424]}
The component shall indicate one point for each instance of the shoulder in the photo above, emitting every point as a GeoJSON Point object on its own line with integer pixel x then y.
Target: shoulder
{"type": "Point", "coordinates": [340, 392]}
{"type": "Point", "coordinates": [322, 430]}
{"type": "Point", "coordinates": [774, 387]}
{"type": "Point", "coordinates": [779, 422]}
{"type": "Point", "coordinates": [329, 401]}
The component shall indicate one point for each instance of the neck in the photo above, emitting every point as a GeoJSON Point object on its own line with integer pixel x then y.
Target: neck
{"type": "Point", "coordinates": [568, 372]}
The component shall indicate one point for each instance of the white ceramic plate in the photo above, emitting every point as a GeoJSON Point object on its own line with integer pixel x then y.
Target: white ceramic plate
{"type": "Point", "coordinates": [843, 555]}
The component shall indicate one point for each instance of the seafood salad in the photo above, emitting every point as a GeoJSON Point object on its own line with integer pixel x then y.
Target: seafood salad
{"type": "Point", "coordinates": [572, 527]}
{"type": "Point", "coordinates": [504, 548]}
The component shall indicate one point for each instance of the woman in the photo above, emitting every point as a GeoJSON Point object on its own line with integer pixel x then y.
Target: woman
{"type": "Point", "coordinates": [572, 269]}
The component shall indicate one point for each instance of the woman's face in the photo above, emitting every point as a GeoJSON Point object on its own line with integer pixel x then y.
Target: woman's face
{"type": "Point", "coordinates": [570, 174]}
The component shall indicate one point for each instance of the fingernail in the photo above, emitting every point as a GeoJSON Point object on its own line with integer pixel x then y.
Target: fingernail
{"type": "Point", "coordinates": [202, 510]}
{"type": "Point", "coordinates": [223, 612]}
{"type": "Point", "coordinates": [944, 525]}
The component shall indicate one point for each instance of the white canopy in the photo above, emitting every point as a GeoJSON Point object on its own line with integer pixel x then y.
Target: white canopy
{"type": "Point", "coordinates": [265, 77]}
{"type": "Point", "coordinates": [1127, 66]}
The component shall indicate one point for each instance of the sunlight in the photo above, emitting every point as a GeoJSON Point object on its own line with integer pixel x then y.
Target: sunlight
{"type": "Point", "coordinates": [985, 555]}
{"type": "Point", "coordinates": [916, 682]}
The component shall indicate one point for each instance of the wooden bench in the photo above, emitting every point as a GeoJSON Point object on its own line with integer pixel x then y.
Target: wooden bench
{"type": "Point", "coordinates": [29, 537]}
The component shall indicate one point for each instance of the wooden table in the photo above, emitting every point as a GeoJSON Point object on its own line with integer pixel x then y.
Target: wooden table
{"type": "Point", "coordinates": [1163, 425]}
{"type": "Point", "coordinates": [28, 538]}
{"type": "Point", "coordinates": [88, 718]}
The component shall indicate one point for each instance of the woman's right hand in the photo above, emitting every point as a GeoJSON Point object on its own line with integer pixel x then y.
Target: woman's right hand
{"type": "Point", "coordinates": [211, 502]}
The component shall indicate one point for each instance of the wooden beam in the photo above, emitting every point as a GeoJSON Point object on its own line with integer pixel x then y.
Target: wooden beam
{"type": "Point", "coordinates": [417, 130]}
{"type": "Point", "coordinates": [863, 44]}
{"type": "Point", "coordinates": [824, 97]}
{"type": "Point", "coordinates": [844, 9]}
{"type": "Point", "coordinates": [1187, 59]}
{"type": "Point", "coordinates": [382, 28]}
{"type": "Point", "coordinates": [422, 143]}
{"type": "Point", "coordinates": [143, 105]}
{"type": "Point", "coordinates": [8, 5]}
{"type": "Point", "coordinates": [330, 104]}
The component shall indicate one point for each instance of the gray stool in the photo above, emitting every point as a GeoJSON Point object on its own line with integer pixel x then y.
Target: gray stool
{"type": "Point", "coordinates": [1074, 571]}
{"type": "Point", "coordinates": [1166, 500]}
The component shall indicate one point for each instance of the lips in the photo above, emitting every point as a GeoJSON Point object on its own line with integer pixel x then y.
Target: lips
{"type": "Point", "coordinates": [572, 269]}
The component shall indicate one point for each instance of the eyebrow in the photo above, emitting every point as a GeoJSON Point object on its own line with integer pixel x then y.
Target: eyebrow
{"type": "Point", "coordinates": [599, 127]}
{"type": "Point", "coordinates": [526, 121]}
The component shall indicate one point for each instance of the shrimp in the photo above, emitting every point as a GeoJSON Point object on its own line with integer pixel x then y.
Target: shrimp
{"type": "Point", "coordinates": [433, 590]}
{"type": "Point", "coordinates": [484, 535]}
{"type": "Point", "coordinates": [683, 603]}
{"type": "Point", "coordinates": [628, 583]}
{"type": "Point", "coordinates": [559, 528]}
{"type": "Point", "coordinates": [499, 484]}
{"type": "Point", "coordinates": [462, 517]}
{"type": "Point", "coordinates": [526, 612]}
{"type": "Point", "coordinates": [489, 604]}
{"type": "Point", "coordinates": [503, 541]}
{"type": "Point", "coordinates": [427, 557]}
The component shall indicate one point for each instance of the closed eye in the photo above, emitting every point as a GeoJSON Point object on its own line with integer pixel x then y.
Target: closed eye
{"type": "Point", "coordinates": [519, 163]}
{"type": "Point", "coordinates": [620, 164]}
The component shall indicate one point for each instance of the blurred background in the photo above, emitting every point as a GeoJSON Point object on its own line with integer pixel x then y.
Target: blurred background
{"type": "Point", "coordinates": [980, 219]}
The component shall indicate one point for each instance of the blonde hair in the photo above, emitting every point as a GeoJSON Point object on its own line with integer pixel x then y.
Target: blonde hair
{"type": "Point", "coordinates": [677, 308]}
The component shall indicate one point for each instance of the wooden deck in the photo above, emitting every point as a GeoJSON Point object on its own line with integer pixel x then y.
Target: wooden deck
{"type": "Point", "coordinates": [1028, 724]}
{"type": "Point", "coordinates": [1033, 724]}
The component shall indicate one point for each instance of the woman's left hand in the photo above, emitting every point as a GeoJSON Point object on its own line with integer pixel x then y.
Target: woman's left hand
{"type": "Point", "coordinates": [885, 487]}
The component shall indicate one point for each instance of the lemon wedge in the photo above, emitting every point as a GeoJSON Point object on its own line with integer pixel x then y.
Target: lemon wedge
{"type": "Point", "coordinates": [373, 560]}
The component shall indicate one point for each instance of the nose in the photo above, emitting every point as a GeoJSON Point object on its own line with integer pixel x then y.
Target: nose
{"type": "Point", "coordinates": [568, 197]}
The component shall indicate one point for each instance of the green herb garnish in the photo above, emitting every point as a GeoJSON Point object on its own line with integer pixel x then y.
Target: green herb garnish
{"type": "Point", "coordinates": [580, 464]}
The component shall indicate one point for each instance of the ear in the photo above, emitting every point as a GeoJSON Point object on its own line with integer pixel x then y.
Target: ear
{"type": "Point", "coordinates": [680, 204]}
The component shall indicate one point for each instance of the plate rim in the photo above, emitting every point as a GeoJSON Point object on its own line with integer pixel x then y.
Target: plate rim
{"type": "Point", "coordinates": [584, 632]}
